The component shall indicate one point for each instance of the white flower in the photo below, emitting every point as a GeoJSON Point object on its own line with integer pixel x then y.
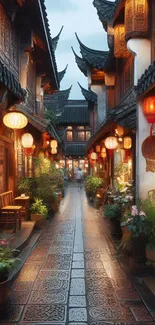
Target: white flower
{"type": "Point", "coordinates": [142, 213]}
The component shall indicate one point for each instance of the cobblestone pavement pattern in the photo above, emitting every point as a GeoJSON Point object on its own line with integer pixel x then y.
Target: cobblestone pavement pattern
{"type": "Point", "coordinates": [72, 275]}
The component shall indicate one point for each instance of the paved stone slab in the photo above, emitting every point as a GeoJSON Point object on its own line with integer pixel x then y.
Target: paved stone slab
{"type": "Point", "coordinates": [141, 313]}
{"type": "Point", "coordinates": [77, 286]}
{"type": "Point", "coordinates": [19, 297]}
{"type": "Point", "coordinates": [78, 273]}
{"type": "Point", "coordinates": [59, 275]}
{"type": "Point", "coordinates": [103, 297]}
{"type": "Point", "coordinates": [44, 313]}
{"type": "Point", "coordinates": [51, 284]}
{"type": "Point", "coordinates": [48, 297]}
{"type": "Point", "coordinates": [127, 294]}
{"type": "Point", "coordinates": [78, 257]}
{"type": "Point", "coordinates": [77, 301]}
{"type": "Point", "coordinates": [77, 315]}
{"type": "Point", "coordinates": [78, 265]}
{"type": "Point", "coordinates": [11, 314]}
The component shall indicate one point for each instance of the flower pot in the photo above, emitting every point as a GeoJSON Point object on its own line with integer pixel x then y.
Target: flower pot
{"type": "Point", "coordinates": [55, 206]}
{"type": "Point", "coordinates": [39, 220]}
{"type": "Point", "coordinates": [150, 255]}
{"type": "Point", "coordinates": [116, 227]}
{"type": "Point", "coordinates": [126, 234]}
{"type": "Point", "coordinates": [4, 291]}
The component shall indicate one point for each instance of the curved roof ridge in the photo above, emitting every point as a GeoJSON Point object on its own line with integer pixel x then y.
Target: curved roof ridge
{"type": "Point", "coordinates": [80, 63]}
{"type": "Point", "coordinates": [55, 40]}
{"type": "Point", "coordinates": [95, 58]}
{"type": "Point", "coordinates": [105, 11]}
{"type": "Point", "coordinates": [89, 95]}
{"type": "Point", "coordinates": [62, 73]}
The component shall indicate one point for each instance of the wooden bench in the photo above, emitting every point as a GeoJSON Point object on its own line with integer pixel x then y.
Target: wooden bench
{"type": "Point", "coordinates": [9, 213]}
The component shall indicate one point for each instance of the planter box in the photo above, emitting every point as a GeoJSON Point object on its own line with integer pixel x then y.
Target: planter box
{"type": "Point", "coordinates": [4, 291]}
{"type": "Point", "coordinates": [39, 220]}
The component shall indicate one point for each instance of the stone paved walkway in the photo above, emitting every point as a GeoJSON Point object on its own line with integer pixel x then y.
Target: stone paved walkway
{"type": "Point", "coordinates": [73, 277]}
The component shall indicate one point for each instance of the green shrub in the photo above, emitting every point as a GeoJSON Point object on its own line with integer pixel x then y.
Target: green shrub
{"type": "Point", "coordinates": [39, 208]}
{"type": "Point", "coordinates": [7, 261]}
{"type": "Point", "coordinates": [92, 184]}
{"type": "Point", "coordinates": [112, 211]}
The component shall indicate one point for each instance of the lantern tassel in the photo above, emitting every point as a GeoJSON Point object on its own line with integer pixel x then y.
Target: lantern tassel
{"type": "Point", "coordinates": [151, 131]}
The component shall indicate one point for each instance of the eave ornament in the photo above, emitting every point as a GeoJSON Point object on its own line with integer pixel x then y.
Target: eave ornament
{"type": "Point", "coordinates": [120, 47]}
{"type": "Point", "coordinates": [136, 18]}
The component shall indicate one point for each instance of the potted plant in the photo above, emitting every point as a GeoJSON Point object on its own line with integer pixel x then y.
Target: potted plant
{"type": "Point", "coordinates": [39, 213]}
{"type": "Point", "coordinates": [149, 209]}
{"type": "Point", "coordinates": [7, 263]}
{"type": "Point", "coordinates": [92, 184]}
{"type": "Point", "coordinates": [113, 213]}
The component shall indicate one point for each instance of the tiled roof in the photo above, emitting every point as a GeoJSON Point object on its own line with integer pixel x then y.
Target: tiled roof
{"type": "Point", "coordinates": [94, 58]}
{"type": "Point", "coordinates": [104, 10]}
{"type": "Point", "coordinates": [57, 101]}
{"type": "Point", "coordinates": [55, 40]}
{"type": "Point", "coordinates": [62, 73]}
{"type": "Point", "coordinates": [39, 123]}
{"type": "Point", "coordinates": [75, 150]}
{"type": "Point", "coordinates": [9, 80]}
{"type": "Point", "coordinates": [147, 79]}
{"type": "Point", "coordinates": [75, 111]}
{"type": "Point", "coordinates": [80, 63]}
{"type": "Point", "coordinates": [89, 95]}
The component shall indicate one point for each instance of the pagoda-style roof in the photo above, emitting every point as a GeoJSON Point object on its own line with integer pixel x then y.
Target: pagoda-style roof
{"type": "Point", "coordinates": [75, 112]}
{"type": "Point", "coordinates": [94, 58]}
{"type": "Point", "coordinates": [57, 101]}
{"type": "Point", "coordinates": [147, 79]}
{"type": "Point", "coordinates": [55, 40]}
{"type": "Point", "coordinates": [8, 79]}
{"type": "Point", "coordinates": [105, 11]}
{"type": "Point", "coordinates": [89, 95]}
{"type": "Point", "coordinates": [39, 123]}
{"type": "Point", "coordinates": [80, 63]}
{"type": "Point", "coordinates": [75, 150]}
{"type": "Point", "coordinates": [62, 73]}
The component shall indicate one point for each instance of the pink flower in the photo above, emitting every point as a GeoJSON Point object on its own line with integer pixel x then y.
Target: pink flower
{"type": "Point", "coordinates": [134, 210]}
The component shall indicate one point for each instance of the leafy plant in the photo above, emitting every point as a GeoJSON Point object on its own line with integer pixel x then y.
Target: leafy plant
{"type": "Point", "coordinates": [112, 211]}
{"type": "Point", "coordinates": [92, 184]}
{"type": "Point", "coordinates": [27, 186]}
{"type": "Point", "coordinates": [39, 208]}
{"type": "Point", "coordinates": [7, 261]}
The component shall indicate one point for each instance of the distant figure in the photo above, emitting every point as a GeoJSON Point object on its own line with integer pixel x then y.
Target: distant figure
{"type": "Point", "coordinates": [79, 176]}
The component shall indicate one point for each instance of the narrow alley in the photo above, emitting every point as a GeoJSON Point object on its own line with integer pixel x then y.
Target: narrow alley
{"type": "Point", "coordinates": [73, 276]}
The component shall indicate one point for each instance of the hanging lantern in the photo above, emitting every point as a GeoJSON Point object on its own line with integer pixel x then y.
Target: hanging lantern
{"type": "Point", "coordinates": [120, 48]}
{"type": "Point", "coordinates": [98, 148]}
{"type": "Point", "coordinates": [136, 18]}
{"type": "Point", "coordinates": [15, 120]}
{"type": "Point", "coordinates": [93, 156]}
{"type": "Point", "coordinates": [119, 130]}
{"type": "Point", "coordinates": [103, 153]}
{"type": "Point", "coordinates": [127, 142]}
{"type": "Point", "coordinates": [54, 144]}
{"type": "Point", "coordinates": [111, 143]}
{"type": "Point", "coordinates": [54, 151]}
{"type": "Point", "coordinates": [149, 109]}
{"type": "Point", "coordinates": [27, 140]}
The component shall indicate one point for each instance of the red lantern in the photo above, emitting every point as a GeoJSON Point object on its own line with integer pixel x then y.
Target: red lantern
{"type": "Point", "coordinates": [149, 111]}
{"type": "Point", "coordinates": [98, 148]}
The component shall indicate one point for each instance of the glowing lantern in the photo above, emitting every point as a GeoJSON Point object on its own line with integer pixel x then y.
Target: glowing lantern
{"type": "Point", "coordinates": [120, 48]}
{"type": "Point", "coordinates": [149, 109]}
{"type": "Point", "coordinates": [127, 142]}
{"type": "Point", "coordinates": [136, 18]}
{"type": "Point", "coordinates": [54, 144]}
{"type": "Point", "coordinates": [27, 140]}
{"type": "Point", "coordinates": [103, 153]}
{"type": "Point", "coordinates": [98, 148]}
{"type": "Point", "coordinates": [93, 156]}
{"type": "Point", "coordinates": [111, 143]}
{"type": "Point", "coordinates": [54, 151]}
{"type": "Point", "coordinates": [15, 120]}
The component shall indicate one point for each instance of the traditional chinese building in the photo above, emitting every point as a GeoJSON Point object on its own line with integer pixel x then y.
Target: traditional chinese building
{"type": "Point", "coordinates": [27, 70]}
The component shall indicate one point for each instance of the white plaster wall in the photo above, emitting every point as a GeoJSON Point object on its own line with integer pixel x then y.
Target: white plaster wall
{"type": "Point", "coordinates": [101, 102]}
{"type": "Point", "coordinates": [141, 48]}
{"type": "Point", "coordinates": [145, 181]}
